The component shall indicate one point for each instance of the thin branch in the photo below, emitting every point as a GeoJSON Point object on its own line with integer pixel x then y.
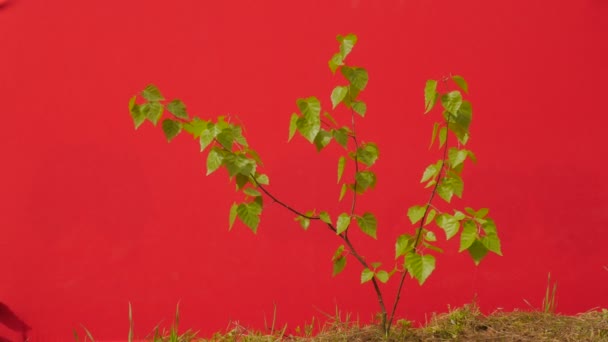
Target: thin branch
{"type": "Point", "coordinates": [286, 206]}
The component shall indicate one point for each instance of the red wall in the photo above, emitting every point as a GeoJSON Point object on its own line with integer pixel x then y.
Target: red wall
{"type": "Point", "coordinates": [94, 214]}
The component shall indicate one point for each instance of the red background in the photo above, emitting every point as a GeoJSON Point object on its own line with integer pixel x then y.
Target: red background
{"type": "Point", "coordinates": [94, 214]}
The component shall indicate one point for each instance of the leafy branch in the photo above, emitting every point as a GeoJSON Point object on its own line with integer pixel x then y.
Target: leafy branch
{"type": "Point", "coordinates": [228, 148]}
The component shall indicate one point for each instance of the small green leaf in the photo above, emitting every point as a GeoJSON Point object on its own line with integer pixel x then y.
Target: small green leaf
{"type": "Point", "coordinates": [456, 156]}
{"type": "Point", "coordinates": [415, 213]}
{"type": "Point", "coordinates": [343, 223]}
{"type": "Point", "coordinates": [368, 154]}
{"type": "Point", "coordinates": [461, 83]}
{"type": "Point", "coordinates": [239, 164]}
{"type": "Point", "coordinates": [346, 44]}
{"type": "Point", "coordinates": [359, 107]}
{"type": "Point", "coordinates": [241, 181]}
{"type": "Point", "coordinates": [171, 128]}
{"type": "Point", "coordinates": [341, 136]}
{"type": "Point", "coordinates": [431, 247]}
{"type": "Point", "coordinates": [232, 215]}
{"type": "Point", "coordinates": [304, 222]}
{"type": "Point", "coordinates": [420, 266]}
{"type": "Point", "coordinates": [382, 276]}
{"type": "Point", "coordinates": [338, 253]}
{"type": "Point", "coordinates": [178, 108]}
{"type": "Point", "coordinates": [207, 136]}
{"type": "Point", "coordinates": [430, 95]}
{"type": "Point", "coordinates": [430, 236]}
{"type": "Point", "coordinates": [451, 101]}
{"type": "Point", "coordinates": [226, 138]}
{"type": "Point", "coordinates": [343, 191]}
{"type": "Point", "coordinates": [337, 95]}
{"type": "Point", "coordinates": [434, 135]}
{"type": "Point", "coordinates": [151, 93]}
{"type": "Point", "coordinates": [136, 114]}
{"type": "Point", "coordinates": [366, 275]}
{"type": "Point", "coordinates": [430, 216]}
{"type": "Point", "coordinates": [335, 61]}
{"type": "Point", "coordinates": [491, 240]}
{"type": "Point", "coordinates": [309, 124]}
{"type": "Point", "coordinates": [251, 192]}
{"type": "Point", "coordinates": [339, 265]}
{"type": "Point", "coordinates": [450, 185]}
{"type": "Point", "coordinates": [152, 111]}
{"type": "Point", "coordinates": [449, 224]}
{"type": "Point", "coordinates": [404, 245]}
{"type": "Point", "coordinates": [293, 125]}
{"type": "Point", "coordinates": [365, 179]}
{"type": "Point", "coordinates": [262, 179]}
{"type": "Point", "coordinates": [477, 251]}
{"type": "Point", "coordinates": [195, 127]}
{"type": "Point", "coordinates": [357, 77]}
{"type": "Point", "coordinates": [376, 264]}
{"type": "Point", "coordinates": [324, 216]}
{"type": "Point", "coordinates": [431, 171]}
{"type": "Point", "coordinates": [341, 164]}
{"type": "Point", "coordinates": [322, 139]}
{"type": "Point", "coordinates": [443, 136]}
{"type": "Point", "coordinates": [214, 160]}
{"type": "Point", "coordinates": [468, 235]}
{"type": "Point", "coordinates": [249, 214]}
{"type": "Point", "coordinates": [368, 224]}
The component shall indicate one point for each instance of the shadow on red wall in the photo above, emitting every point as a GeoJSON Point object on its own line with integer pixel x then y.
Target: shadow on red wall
{"type": "Point", "coordinates": [9, 319]}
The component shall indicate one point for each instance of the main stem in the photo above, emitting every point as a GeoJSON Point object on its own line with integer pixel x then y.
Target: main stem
{"type": "Point", "coordinates": [420, 228]}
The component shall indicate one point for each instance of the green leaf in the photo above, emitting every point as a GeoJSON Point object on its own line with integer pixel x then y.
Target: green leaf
{"type": "Point", "coordinates": [178, 108]}
{"type": "Point", "coordinates": [365, 179]}
{"type": "Point", "coordinates": [207, 136]}
{"type": "Point", "coordinates": [262, 179]}
{"type": "Point", "coordinates": [357, 77]}
{"type": "Point", "coordinates": [346, 44]}
{"type": "Point", "coordinates": [376, 264]}
{"type": "Point", "coordinates": [237, 133]}
{"type": "Point", "coordinates": [330, 118]}
{"type": "Point", "coordinates": [451, 101]}
{"type": "Point", "coordinates": [214, 160]}
{"type": "Point", "coordinates": [341, 137]}
{"type": "Point", "coordinates": [443, 136]}
{"type": "Point", "coordinates": [460, 125]}
{"type": "Point", "coordinates": [450, 185]}
{"type": "Point", "coordinates": [252, 192]}
{"type": "Point", "coordinates": [434, 135]}
{"type": "Point", "coordinates": [404, 245]}
{"type": "Point", "coordinates": [368, 154]}
{"type": "Point", "coordinates": [152, 111]}
{"type": "Point", "coordinates": [415, 213]}
{"type": "Point", "coordinates": [335, 61]}
{"type": "Point", "coordinates": [151, 93]}
{"type": "Point", "coordinates": [338, 260]}
{"type": "Point", "coordinates": [322, 139]}
{"type": "Point", "coordinates": [359, 107]}
{"type": "Point", "coordinates": [304, 222]}
{"type": "Point", "coordinates": [477, 251]}
{"type": "Point", "coordinates": [241, 181]}
{"type": "Point", "coordinates": [430, 236]}
{"type": "Point", "coordinates": [309, 123]}
{"type": "Point", "coordinates": [324, 216]}
{"type": "Point", "coordinates": [430, 95]}
{"type": "Point", "coordinates": [293, 125]}
{"type": "Point", "coordinates": [342, 191]}
{"type": "Point", "coordinates": [366, 275]}
{"type": "Point", "coordinates": [341, 164]}
{"type": "Point", "coordinates": [136, 114]}
{"type": "Point", "coordinates": [491, 240]}
{"type": "Point", "coordinates": [337, 95]}
{"type": "Point", "coordinates": [232, 216]}
{"type": "Point", "coordinates": [449, 224]}
{"type": "Point", "coordinates": [238, 164]}
{"type": "Point", "coordinates": [195, 127]}
{"type": "Point", "coordinates": [368, 224]}
{"type": "Point", "coordinates": [461, 83]}
{"type": "Point", "coordinates": [431, 247]}
{"type": "Point", "coordinates": [249, 214]}
{"type": "Point", "coordinates": [343, 223]}
{"type": "Point", "coordinates": [171, 128]}
{"type": "Point", "coordinates": [382, 276]}
{"type": "Point", "coordinates": [430, 216]}
{"type": "Point", "coordinates": [339, 265]}
{"type": "Point", "coordinates": [420, 266]}
{"type": "Point", "coordinates": [456, 156]}
{"type": "Point", "coordinates": [226, 138]}
{"type": "Point", "coordinates": [431, 171]}
{"type": "Point", "coordinates": [468, 235]}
